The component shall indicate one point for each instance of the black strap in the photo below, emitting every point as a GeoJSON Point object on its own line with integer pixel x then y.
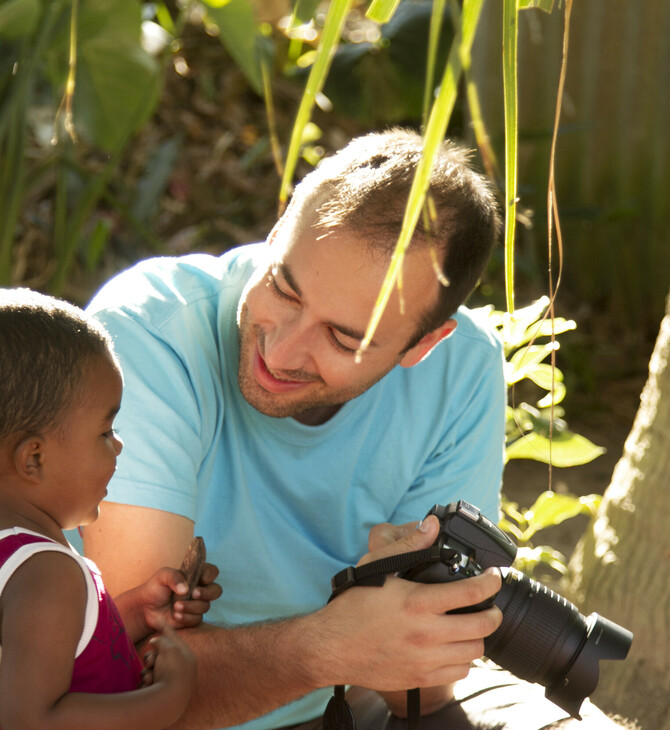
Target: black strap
{"type": "Point", "coordinates": [374, 573]}
{"type": "Point", "coordinates": [338, 714]}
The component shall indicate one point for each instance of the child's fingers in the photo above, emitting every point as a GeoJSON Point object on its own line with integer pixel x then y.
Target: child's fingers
{"type": "Point", "coordinates": [208, 592]}
{"type": "Point", "coordinates": [208, 575]}
{"type": "Point", "coordinates": [173, 579]}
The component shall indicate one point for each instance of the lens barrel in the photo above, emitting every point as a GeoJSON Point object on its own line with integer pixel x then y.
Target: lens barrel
{"type": "Point", "coordinates": [544, 638]}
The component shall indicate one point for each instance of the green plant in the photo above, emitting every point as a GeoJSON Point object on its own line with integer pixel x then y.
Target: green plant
{"type": "Point", "coordinates": [81, 65]}
{"type": "Point", "coordinates": [548, 510]}
{"type": "Point", "coordinates": [537, 431]}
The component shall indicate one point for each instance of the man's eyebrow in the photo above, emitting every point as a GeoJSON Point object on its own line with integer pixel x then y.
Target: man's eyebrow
{"type": "Point", "coordinates": [342, 328]}
{"type": "Point", "coordinates": [290, 279]}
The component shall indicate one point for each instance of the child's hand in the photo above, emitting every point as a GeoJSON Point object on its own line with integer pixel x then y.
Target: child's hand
{"type": "Point", "coordinates": [169, 661]}
{"type": "Point", "coordinates": [164, 601]}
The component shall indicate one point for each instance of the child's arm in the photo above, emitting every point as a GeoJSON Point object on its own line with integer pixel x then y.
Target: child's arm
{"type": "Point", "coordinates": [42, 609]}
{"type": "Point", "coordinates": [158, 603]}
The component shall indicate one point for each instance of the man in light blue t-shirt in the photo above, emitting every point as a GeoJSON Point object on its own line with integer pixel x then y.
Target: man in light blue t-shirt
{"type": "Point", "coordinates": [249, 419]}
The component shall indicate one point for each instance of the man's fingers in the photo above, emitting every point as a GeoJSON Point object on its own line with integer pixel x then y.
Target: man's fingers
{"type": "Point", "coordinates": [388, 539]}
{"type": "Point", "coordinates": [458, 594]}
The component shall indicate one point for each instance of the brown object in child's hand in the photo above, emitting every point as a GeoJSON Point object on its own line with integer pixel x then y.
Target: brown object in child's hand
{"type": "Point", "coordinates": [193, 563]}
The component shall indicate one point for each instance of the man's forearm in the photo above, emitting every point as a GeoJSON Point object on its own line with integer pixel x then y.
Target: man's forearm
{"type": "Point", "coordinates": [248, 671]}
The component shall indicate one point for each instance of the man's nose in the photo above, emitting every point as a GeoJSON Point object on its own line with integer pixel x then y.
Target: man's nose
{"type": "Point", "coordinates": [289, 346]}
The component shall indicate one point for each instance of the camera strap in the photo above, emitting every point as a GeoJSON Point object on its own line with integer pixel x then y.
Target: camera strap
{"type": "Point", "coordinates": [338, 714]}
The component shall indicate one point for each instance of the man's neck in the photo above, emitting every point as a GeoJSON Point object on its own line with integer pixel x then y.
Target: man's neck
{"type": "Point", "coordinates": [317, 416]}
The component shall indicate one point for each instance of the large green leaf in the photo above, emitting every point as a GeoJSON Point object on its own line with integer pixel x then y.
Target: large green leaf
{"type": "Point", "coordinates": [551, 509]}
{"type": "Point", "coordinates": [569, 450]}
{"type": "Point", "coordinates": [117, 83]}
{"type": "Point", "coordinates": [239, 34]}
{"type": "Point", "coordinates": [18, 18]}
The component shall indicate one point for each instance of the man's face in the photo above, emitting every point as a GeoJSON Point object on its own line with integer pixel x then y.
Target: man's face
{"type": "Point", "coordinates": [303, 315]}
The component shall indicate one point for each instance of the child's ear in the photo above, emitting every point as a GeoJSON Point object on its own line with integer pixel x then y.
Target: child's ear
{"type": "Point", "coordinates": [29, 458]}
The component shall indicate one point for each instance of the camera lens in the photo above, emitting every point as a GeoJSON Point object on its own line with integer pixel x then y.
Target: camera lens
{"type": "Point", "coordinates": [544, 638]}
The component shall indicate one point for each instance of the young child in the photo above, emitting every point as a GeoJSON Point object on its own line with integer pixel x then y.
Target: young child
{"type": "Point", "coordinates": [67, 650]}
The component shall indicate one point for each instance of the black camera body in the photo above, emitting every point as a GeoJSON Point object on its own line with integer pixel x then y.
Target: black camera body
{"type": "Point", "coordinates": [543, 637]}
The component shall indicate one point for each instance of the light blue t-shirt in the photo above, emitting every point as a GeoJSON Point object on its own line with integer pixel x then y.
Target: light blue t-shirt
{"type": "Point", "coordinates": [283, 506]}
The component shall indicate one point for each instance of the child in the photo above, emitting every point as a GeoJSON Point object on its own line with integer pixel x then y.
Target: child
{"type": "Point", "coordinates": [67, 652]}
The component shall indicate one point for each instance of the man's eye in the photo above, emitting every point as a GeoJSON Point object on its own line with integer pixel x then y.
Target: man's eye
{"type": "Point", "coordinates": [276, 290]}
{"type": "Point", "coordinates": [340, 346]}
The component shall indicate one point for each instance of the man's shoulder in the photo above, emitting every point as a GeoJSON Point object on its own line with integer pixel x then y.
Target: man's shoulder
{"type": "Point", "coordinates": [155, 287]}
{"type": "Point", "coordinates": [475, 325]}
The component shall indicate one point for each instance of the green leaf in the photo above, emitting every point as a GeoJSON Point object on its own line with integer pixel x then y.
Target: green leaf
{"type": "Point", "coordinates": [434, 135]}
{"type": "Point", "coordinates": [303, 10]}
{"type": "Point", "coordinates": [546, 5]}
{"type": "Point", "coordinates": [570, 450]}
{"type": "Point", "coordinates": [551, 509]}
{"type": "Point", "coordinates": [97, 242]}
{"type": "Point", "coordinates": [553, 397]}
{"type": "Point", "coordinates": [527, 559]}
{"type": "Point", "coordinates": [18, 18]}
{"type": "Point", "coordinates": [515, 324]}
{"type": "Point", "coordinates": [382, 10]}
{"type": "Point", "coordinates": [117, 83]}
{"type": "Point", "coordinates": [545, 375]}
{"type": "Point", "coordinates": [526, 360]}
{"type": "Point", "coordinates": [510, 84]}
{"type": "Point", "coordinates": [239, 33]}
{"type": "Point", "coordinates": [332, 30]}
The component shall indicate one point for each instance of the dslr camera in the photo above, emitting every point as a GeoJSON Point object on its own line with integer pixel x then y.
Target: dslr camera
{"type": "Point", "coordinates": [543, 637]}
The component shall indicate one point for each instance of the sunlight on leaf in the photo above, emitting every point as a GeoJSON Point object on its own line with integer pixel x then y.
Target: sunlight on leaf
{"type": "Point", "coordinates": [546, 5]}
{"type": "Point", "coordinates": [381, 11]}
{"type": "Point", "coordinates": [524, 361]}
{"type": "Point", "coordinates": [433, 137]}
{"type": "Point", "coordinates": [337, 14]}
{"type": "Point", "coordinates": [571, 450]}
{"type": "Point", "coordinates": [510, 42]}
{"type": "Point", "coordinates": [551, 508]}
{"type": "Point", "coordinates": [529, 558]}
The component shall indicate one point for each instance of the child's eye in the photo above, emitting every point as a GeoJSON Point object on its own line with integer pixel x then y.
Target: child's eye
{"type": "Point", "coordinates": [111, 433]}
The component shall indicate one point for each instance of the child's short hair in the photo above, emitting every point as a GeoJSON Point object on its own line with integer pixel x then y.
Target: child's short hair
{"type": "Point", "coordinates": [46, 345]}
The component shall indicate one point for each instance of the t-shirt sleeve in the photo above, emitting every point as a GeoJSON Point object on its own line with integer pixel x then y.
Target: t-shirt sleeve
{"type": "Point", "coordinates": [466, 462]}
{"type": "Point", "coordinates": [159, 421]}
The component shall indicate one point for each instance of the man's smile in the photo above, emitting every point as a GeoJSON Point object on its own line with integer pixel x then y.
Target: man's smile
{"type": "Point", "coordinates": [271, 382]}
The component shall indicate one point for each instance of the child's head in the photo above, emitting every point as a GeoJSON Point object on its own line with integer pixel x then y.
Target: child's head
{"type": "Point", "coordinates": [45, 347]}
{"type": "Point", "coordinates": [60, 388]}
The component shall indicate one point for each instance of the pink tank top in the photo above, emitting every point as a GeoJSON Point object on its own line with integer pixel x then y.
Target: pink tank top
{"type": "Point", "coordinates": [105, 659]}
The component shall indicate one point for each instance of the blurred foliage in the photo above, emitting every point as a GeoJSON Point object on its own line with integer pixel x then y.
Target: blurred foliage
{"type": "Point", "coordinates": [548, 510]}
{"type": "Point", "coordinates": [537, 431]}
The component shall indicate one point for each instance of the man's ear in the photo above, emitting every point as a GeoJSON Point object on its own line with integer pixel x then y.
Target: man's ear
{"type": "Point", "coordinates": [29, 458]}
{"type": "Point", "coordinates": [425, 345]}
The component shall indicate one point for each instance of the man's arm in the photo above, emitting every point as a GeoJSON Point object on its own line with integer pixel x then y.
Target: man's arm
{"type": "Point", "coordinates": [387, 638]}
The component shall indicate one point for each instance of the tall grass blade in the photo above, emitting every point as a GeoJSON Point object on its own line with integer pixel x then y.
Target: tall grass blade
{"type": "Point", "coordinates": [332, 30]}
{"type": "Point", "coordinates": [510, 43]}
{"type": "Point", "coordinates": [433, 137]}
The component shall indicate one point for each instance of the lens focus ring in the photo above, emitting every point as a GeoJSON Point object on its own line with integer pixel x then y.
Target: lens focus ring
{"type": "Point", "coordinates": [540, 632]}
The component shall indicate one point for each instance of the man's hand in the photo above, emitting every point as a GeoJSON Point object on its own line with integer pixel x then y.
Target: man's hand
{"type": "Point", "coordinates": [386, 539]}
{"type": "Point", "coordinates": [399, 636]}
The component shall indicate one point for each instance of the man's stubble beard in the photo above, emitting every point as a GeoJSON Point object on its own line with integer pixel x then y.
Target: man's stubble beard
{"type": "Point", "coordinates": [276, 406]}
